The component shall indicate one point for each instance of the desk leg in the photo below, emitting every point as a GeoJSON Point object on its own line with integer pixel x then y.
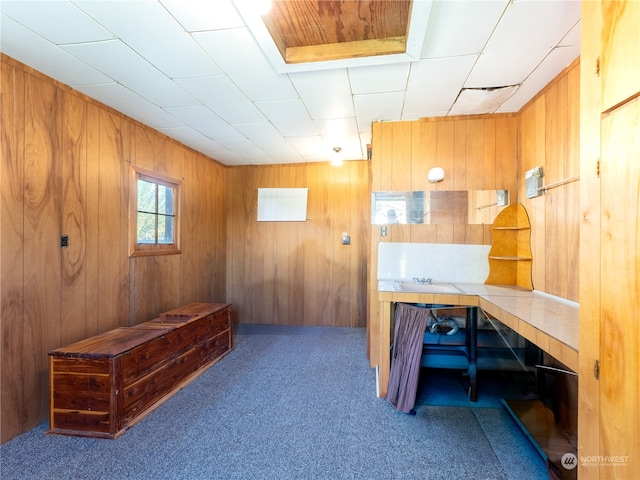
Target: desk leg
{"type": "Point", "coordinates": [384, 355]}
{"type": "Point", "coordinates": [472, 324]}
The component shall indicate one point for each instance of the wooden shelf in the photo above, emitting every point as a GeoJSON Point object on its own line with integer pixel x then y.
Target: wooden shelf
{"type": "Point", "coordinates": [510, 258]}
{"type": "Point", "coordinates": [510, 255]}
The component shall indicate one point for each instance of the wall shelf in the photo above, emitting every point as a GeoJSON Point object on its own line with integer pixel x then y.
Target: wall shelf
{"type": "Point", "coordinates": [510, 257]}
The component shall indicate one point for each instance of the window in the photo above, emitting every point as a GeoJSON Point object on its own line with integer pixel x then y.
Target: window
{"type": "Point", "coordinates": [153, 214]}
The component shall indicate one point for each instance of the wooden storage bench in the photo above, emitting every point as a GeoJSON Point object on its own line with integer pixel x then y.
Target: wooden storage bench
{"type": "Point", "coordinates": [103, 385]}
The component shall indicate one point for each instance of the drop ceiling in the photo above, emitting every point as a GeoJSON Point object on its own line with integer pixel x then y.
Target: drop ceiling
{"type": "Point", "coordinates": [311, 75]}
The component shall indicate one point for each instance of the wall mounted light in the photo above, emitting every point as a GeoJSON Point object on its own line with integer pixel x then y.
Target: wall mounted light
{"type": "Point", "coordinates": [336, 159]}
{"type": "Point", "coordinates": [436, 174]}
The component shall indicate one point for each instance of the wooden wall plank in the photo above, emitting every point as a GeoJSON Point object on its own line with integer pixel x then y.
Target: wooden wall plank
{"type": "Point", "coordinates": [489, 155]}
{"type": "Point", "coordinates": [400, 171]}
{"type": "Point", "coordinates": [475, 154]}
{"type": "Point", "coordinates": [445, 153]}
{"type": "Point", "coordinates": [42, 226]}
{"type": "Point", "coordinates": [92, 221]}
{"type": "Point", "coordinates": [459, 170]}
{"type": "Point", "coordinates": [74, 219]}
{"type": "Point", "coordinates": [12, 259]}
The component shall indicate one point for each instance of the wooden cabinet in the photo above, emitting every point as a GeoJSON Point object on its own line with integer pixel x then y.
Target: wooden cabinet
{"type": "Point", "coordinates": [103, 385]}
{"type": "Point", "coordinates": [510, 255]}
{"type": "Point", "coordinates": [620, 69]}
{"type": "Point", "coordinates": [609, 364]}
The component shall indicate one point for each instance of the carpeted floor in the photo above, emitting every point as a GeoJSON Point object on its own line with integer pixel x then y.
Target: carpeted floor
{"type": "Point", "coordinates": [288, 403]}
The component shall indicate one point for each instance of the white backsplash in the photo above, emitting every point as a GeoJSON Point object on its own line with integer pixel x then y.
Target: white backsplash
{"type": "Point", "coordinates": [442, 262]}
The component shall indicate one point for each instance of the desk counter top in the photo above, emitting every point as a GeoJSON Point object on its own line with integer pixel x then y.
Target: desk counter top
{"type": "Point", "coordinates": [549, 322]}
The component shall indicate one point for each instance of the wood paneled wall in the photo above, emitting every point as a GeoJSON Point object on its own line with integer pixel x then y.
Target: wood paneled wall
{"type": "Point", "coordinates": [299, 273]}
{"type": "Point", "coordinates": [550, 138]}
{"type": "Point", "coordinates": [65, 170]}
{"type": "Point", "coordinates": [476, 153]}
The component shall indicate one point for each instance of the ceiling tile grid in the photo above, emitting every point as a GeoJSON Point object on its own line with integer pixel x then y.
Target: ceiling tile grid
{"type": "Point", "coordinates": [200, 70]}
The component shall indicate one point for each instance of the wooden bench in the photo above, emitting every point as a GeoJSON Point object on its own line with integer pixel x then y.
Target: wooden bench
{"type": "Point", "coordinates": [101, 386]}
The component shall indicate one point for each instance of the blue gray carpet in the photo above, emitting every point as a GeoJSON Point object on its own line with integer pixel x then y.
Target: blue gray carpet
{"type": "Point", "coordinates": [287, 403]}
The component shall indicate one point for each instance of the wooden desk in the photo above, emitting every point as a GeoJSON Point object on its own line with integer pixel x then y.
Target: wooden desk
{"type": "Point", "coordinates": [548, 322]}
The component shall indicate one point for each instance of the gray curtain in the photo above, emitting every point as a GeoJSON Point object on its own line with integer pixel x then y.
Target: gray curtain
{"type": "Point", "coordinates": [410, 325]}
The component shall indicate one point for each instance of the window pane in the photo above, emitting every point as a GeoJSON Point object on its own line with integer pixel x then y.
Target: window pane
{"type": "Point", "coordinates": [146, 196]}
{"type": "Point", "coordinates": [146, 228]}
{"type": "Point", "coordinates": [165, 229]}
{"type": "Point", "coordinates": [165, 200]}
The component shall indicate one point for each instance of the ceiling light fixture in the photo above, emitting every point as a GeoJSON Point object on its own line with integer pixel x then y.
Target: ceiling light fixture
{"type": "Point", "coordinates": [336, 159]}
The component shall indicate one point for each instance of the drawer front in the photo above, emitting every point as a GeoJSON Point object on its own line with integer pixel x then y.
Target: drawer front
{"type": "Point", "coordinates": [146, 358]}
{"type": "Point", "coordinates": [80, 365]}
{"type": "Point", "coordinates": [81, 391]}
{"type": "Point", "coordinates": [190, 335]}
{"type": "Point", "coordinates": [143, 394]}
{"type": "Point", "coordinates": [95, 422]}
{"type": "Point", "coordinates": [143, 360]}
{"type": "Point", "coordinates": [217, 346]}
{"type": "Point", "coordinates": [219, 322]}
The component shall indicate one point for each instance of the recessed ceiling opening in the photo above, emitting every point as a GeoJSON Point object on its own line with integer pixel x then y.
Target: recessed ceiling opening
{"type": "Point", "coordinates": [320, 30]}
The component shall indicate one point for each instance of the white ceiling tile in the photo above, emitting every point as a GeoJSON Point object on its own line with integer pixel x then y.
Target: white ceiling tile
{"type": "Point", "coordinates": [236, 53]}
{"type": "Point", "coordinates": [229, 158]}
{"type": "Point", "coordinates": [461, 27]}
{"type": "Point", "coordinates": [286, 155]}
{"type": "Point", "coordinates": [118, 61]}
{"type": "Point", "coordinates": [338, 131]}
{"type": "Point", "coordinates": [430, 91]}
{"type": "Point", "coordinates": [311, 148]}
{"type": "Point", "coordinates": [124, 100]}
{"type": "Point", "coordinates": [31, 49]}
{"type": "Point", "coordinates": [378, 106]}
{"type": "Point", "coordinates": [223, 97]}
{"type": "Point", "coordinates": [243, 147]}
{"type": "Point", "coordinates": [148, 29]}
{"type": "Point", "coordinates": [326, 94]}
{"type": "Point", "coordinates": [205, 121]}
{"type": "Point", "coordinates": [59, 22]}
{"type": "Point", "coordinates": [200, 15]}
{"type": "Point", "coordinates": [265, 135]}
{"type": "Point", "coordinates": [289, 117]}
{"type": "Point", "coordinates": [379, 78]}
{"type": "Point", "coordinates": [515, 49]}
{"type": "Point", "coordinates": [192, 138]}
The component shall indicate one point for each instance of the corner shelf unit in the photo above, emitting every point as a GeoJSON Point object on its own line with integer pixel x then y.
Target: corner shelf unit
{"type": "Point", "coordinates": [510, 255]}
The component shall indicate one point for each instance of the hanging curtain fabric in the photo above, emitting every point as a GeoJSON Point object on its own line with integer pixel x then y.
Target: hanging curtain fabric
{"type": "Point", "coordinates": [410, 325]}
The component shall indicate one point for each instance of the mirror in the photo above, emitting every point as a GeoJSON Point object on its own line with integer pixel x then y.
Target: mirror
{"type": "Point", "coordinates": [438, 207]}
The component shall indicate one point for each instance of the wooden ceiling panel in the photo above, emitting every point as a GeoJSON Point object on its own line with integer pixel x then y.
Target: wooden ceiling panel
{"type": "Point", "coordinates": [317, 30]}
